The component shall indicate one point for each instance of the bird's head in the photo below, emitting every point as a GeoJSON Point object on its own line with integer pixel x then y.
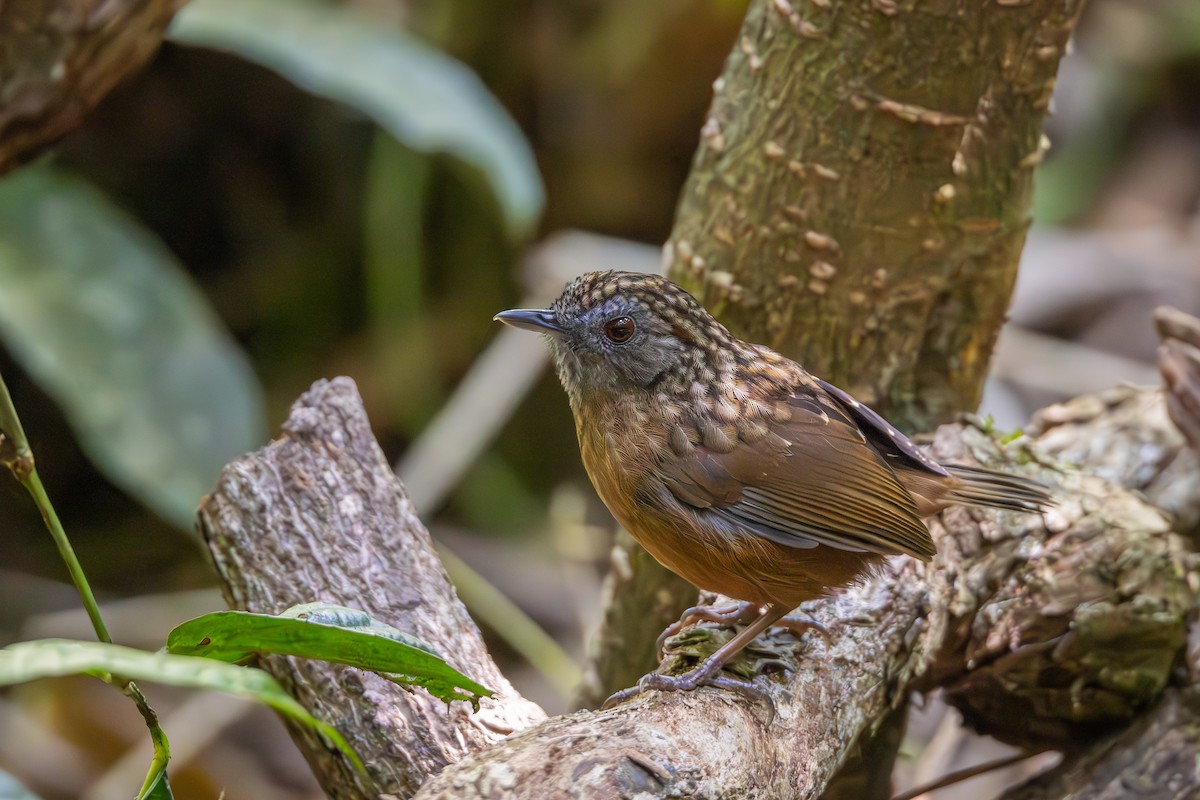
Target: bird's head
{"type": "Point", "coordinates": [620, 332]}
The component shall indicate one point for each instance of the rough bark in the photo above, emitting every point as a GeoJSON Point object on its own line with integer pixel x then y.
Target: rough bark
{"type": "Point", "coordinates": [1064, 627]}
{"type": "Point", "coordinates": [318, 515]}
{"type": "Point", "coordinates": [1126, 436]}
{"type": "Point", "coordinates": [62, 57]}
{"type": "Point", "coordinates": [1179, 365]}
{"type": "Point", "coordinates": [1154, 759]}
{"type": "Point", "coordinates": [861, 191]}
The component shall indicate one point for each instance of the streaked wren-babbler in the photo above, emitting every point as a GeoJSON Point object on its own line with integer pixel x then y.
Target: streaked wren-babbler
{"type": "Point", "coordinates": [731, 464]}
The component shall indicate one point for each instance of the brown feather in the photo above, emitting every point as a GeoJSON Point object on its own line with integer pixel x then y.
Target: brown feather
{"type": "Point", "coordinates": [817, 481]}
{"type": "Point", "coordinates": [728, 462]}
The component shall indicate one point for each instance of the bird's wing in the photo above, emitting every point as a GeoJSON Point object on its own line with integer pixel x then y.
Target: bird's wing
{"type": "Point", "coordinates": [894, 445]}
{"type": "Point", "coordinates": [813, 479]}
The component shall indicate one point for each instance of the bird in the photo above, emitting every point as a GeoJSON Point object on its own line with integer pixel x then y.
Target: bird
{"type": "Point", "coordinates": [735, 467]}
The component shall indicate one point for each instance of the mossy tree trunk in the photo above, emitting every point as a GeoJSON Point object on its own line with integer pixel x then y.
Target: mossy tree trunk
{"type": "Point", "coordinates": [862, 187]}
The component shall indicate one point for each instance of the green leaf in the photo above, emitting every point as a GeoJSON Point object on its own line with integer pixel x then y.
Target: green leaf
{"type": "Point", "coordinates": [51, 658]}
{"type": "Point", "coordinates": [101, 316]}
{"type": "Point", "coordinates": [13, 789]}
{"type": "Point", "coordinates": [424, 98]}
{"type": "Point", "coordinates": [159, 790]}
{"type": "Point", "coordinates": [330, 633]}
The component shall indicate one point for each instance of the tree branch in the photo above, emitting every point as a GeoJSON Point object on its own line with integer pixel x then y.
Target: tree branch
{"type": "Point", "coordinates": [1154, 758]}
{"type": "Point", "coordinates": [1046, 630]}
{"type": "Point", "coordinates": [62, 57]}
{"type": "Point", "coordinates": [318, 515]}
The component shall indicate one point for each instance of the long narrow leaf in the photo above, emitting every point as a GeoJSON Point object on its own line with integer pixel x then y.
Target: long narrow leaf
{"type": "Point", "coordinates": [330, 633]}
{"type": "Point", "coordinates": [160, 789]}
{"type": "Point", "coordinates": [50, 658]}
{"type": "Point", "coordinates": [424, 98]}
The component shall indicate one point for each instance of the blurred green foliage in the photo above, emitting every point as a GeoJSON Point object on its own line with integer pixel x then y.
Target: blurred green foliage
{"type": "Point", "coordinates": [98, 311]}
{"type": "Point", "coordinates": [1141, 73]}
{"type": "Point", "coordinates": [357, 208]}
{"type": "Point", "coordinates": [429, 102]}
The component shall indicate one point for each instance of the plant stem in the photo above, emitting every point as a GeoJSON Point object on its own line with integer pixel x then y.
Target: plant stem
{"type": "Point", "coordinates": [17, 456]}
{"type": "Point", "coordinates": [33, 484]}
{"type": "Point", "coordinates": [158, 737]}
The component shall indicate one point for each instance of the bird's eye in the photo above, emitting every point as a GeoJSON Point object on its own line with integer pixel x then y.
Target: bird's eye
{"type": "Point", "coordinates": [619, 329]}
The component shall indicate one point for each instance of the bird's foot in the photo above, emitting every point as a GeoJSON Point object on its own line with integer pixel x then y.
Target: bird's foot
{"type": "Point", "coordinates": [706, 674]}
{"type": "Point", "coordinates": [738, 613]}
{"type": "Point", "coordinates": [797, 626]}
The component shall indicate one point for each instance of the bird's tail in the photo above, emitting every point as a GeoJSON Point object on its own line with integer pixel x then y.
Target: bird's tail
{"type": "Point", "coordinates": [985, 487]}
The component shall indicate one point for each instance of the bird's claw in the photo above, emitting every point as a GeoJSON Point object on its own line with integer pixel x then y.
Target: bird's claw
{"type": "Point", "coordinates": [741, 613]}
{"type": "Point", "coordinates": [797, 626]}
{"type": "Point", "coordinates": [708, 673]}
{"type": "Point", "coordinates": [704, 675]}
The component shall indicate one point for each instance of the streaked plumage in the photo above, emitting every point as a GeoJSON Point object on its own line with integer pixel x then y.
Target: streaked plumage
{"type": "Point", "coordinates": [730, 463]}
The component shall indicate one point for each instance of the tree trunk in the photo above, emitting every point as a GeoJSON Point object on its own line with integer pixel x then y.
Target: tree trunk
{"type": "Point", "coordinates": [861, 191]}
{"type": "Point", "coordinates": [318, 514]}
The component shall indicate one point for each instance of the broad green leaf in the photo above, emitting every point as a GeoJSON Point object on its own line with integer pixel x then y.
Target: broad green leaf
{"type": "Point", "coordinates": [13, 789]}
{"type": "Point", "coordinates": [53, 658]}
{"type": "Point", "coordinates": [424, 98]}
{"type": "Point", "coordinates": [330, 633]}
{"type": "Point", "coordinates": [99, 313]}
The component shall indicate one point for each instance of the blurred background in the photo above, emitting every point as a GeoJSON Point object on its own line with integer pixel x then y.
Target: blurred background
{"type": "Point", "coordinates": [296, 190]}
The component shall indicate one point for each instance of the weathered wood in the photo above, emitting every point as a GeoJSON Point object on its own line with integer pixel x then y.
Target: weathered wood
{"type": "Point", "coordinates": [1032, 613]}
{"type": "Point", "coordinates": [1179, 365]}
{"type": "Point", "coordinates": [318, 515]}
{"type": "Point", "coordinates": [1154, 759]}
{"type": "Point", "coordinates": [62, 57]}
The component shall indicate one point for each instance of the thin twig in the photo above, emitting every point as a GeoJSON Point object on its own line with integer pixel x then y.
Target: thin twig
{"type": "Point", "coordinates": [966, 774]}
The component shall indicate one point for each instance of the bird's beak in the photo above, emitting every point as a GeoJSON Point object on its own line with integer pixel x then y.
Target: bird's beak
{"type": "Point", "coordinates": [538, 320]}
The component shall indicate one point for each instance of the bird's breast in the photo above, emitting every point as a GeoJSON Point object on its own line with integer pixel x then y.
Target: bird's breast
{"type": "Point", "coordinates": [624, 449]}
{"type": "Point", "coordinates": [621, 446]}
